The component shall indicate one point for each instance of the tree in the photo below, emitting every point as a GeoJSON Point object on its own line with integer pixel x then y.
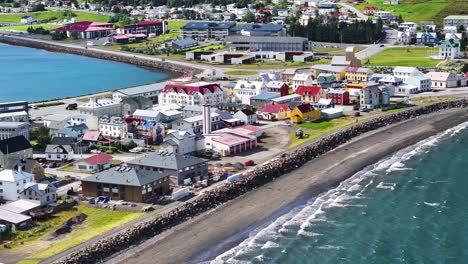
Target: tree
{"type": "Point", "coordinates": [249, 17]}
{"type": "Point", "coordinates": [233, 17]}
{"type": "Point", "coordinates": [274, 11]}
{"type": "Point", "coordinates": [400, 19]}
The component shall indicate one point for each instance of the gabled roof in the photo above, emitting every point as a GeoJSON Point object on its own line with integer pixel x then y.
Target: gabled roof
{"type": "Point", "coordinates": [126, 176]}
{"type": "Point", "coordinates": [91, 135]}
{"type": "Point", "coordinates": [85, 26]}
{"type": "Point", "coordinates": [99, 159]}
{"type": "Point", "coordinates": [308, 90]}
{"type": "Point", "coordinates": [265, 96]}
{"type": "Point", "coordinates": [192, 88]}
{"type": "Point", "coordinates": [305, 108]}
{"type": "Point", "coordinates": [247, 112]}
{"type": "Point", "coordinates": [65, 148]}
{"type": "Point", "coordinates": [167, 161]}
{"type": "Point", "coordinates": [62, 141]}
{"type": "Point", "coordinates": [143, 24]}
{"type": "Point", "coordinates": [273, 108]}
{"type": "Point", "coordinates": [14, 144]}
{"type": "Point", "coordinates": [14, 176]}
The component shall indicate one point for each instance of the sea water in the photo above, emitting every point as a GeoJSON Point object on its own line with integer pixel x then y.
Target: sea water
{"type": "Point", "coordinates": [409, 208]}
{"type": "Point", "coordinates": [35, 75]}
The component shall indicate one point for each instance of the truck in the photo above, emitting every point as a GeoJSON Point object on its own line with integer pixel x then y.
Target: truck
{"type": "Point", "coordinates": [180, 193]}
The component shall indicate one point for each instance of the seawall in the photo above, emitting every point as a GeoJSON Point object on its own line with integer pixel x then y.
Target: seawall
{"type": "Point", "coordinates": [153, 63]}
{"type": "Point", "coordinates": [261, 175]}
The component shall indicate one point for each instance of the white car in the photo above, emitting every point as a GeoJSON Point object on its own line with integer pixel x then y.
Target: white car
{"type": "Point", "coordinates": [107, 43]}
{"type": "Point", "coordinates": [136, 150]}
{"type": "Point", "coordinates": [90, 43]}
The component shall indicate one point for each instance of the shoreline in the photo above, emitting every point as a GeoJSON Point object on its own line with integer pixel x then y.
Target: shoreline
{"type": "Point", "coordinates": [192, 240]}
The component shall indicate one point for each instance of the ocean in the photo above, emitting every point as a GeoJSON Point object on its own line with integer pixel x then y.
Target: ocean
{"type": "Point", "coordinates": [35, 75]}
{"type": "Point", "coordinates": [408, 208]}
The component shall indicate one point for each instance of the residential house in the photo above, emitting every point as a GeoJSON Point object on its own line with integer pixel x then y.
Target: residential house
{"type": "Point", "coordinates": [247, 116]}
{"type": "Point", "coordinates": [134, 184]}
{"type": "Point", "coordinates": [288, 99]}
{"type": "Point", "coordinates": [456, 20]}
{"type": "Point", "coordinates": [405, 37]}
{"type": "Point", "coordinates": [421, 81]}
{"type": "Point", "coordinates": [232, 107]}
{"type": "Point", "coordinates": [74, 143]}
{"type": "Point", "coordinates": [112, 127]}
{"type": "Point", "coordinates": [324, 104]}
{"type": "Point", "coordinates": [372, 97]}
{"type": "Point", "coordinates": [338, 71]}
{"type": "Point", "coordinates": [195, 123]}
{"type": "Point", "coordinates": [76, 131]}
{"type": "Point", "coordinates": [98, 162]}
{"type": "Point", "coordinates": [428, 25]}
{"type": "Point", "coordinates": [56, 121]}
{"type": "Point", "coordinates": [198, 93]}
{"type": "Point", "coordinates": [13, 129]}
{"type": "Point", "coordinates": [357, 74]}
{"type": "Point", "coordinates": [426, 38]}
{"type": "Point", "coordinates": [288, 75]}
{"type": "Point", "coordinates": [12, 183]}
{"type": "Point", "coordinates": [326, 80]}
{"type": "Point", "coordinates": [311, 94]}
{"type": "Point", "coordinates": [13, 150]}
{"type": "Point", "coordinates": [45, 193]}
{"type": "Point", "coordinates": [59, 153]}
{"type": "Point", "coordinates": [403, 73]}
{"type": "Point", "coordinates": [338, 96]}
{"type": "Point", "coordinates": [304, 112]}
{"type": "Point", "coordinates": [244, 90]}
{"type": "Point", "coordinates": [278, 87]}
{"type": "Point", "coordinates": [94, 137]}
{"type": "Point", "coordinates": [181, 166]}
{"type": "Point", "coordinates": [180, 142]}
{"type": "Point", "coordinates": [27, 20]}
{"type": "Point", "coordinates": [370, 10]}
{"type": "Point", "coordinates": [301, 79]}
{"type": "Point", "coordinates": [259, 101]}
{"type": "Point", "coordinates": [449, 49]}
{"type": "Point", "coordinates": [450, 29]}
{"type": "Point", "coordinates": [101, 107]}
{"type": "Point", "coordinates": [444, 80]}
{"type": "Point", "coordinates": [273, 111]}
{"type": "Point", "coordinates": [79, 119]}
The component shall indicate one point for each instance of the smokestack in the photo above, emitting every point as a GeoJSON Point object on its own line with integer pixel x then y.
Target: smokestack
{"type": "Point", "coordinates": [206, 119]}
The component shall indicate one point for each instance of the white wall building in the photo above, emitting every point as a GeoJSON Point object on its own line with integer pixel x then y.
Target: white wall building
{"type": "Point", "coordinates": [301, 79]}
{"type": "Point", "coordinates": [198, 93]}
{"type": "Point", "coordinates": [100, 107]}
{"type": "Point", "coordinates": [244, 90]}
{"type": "Point", "coordinates": [13, 129]}
{"type": "Point", "coordinates": [12, 182]}
{"type": "Point", "coordinates": [111, 127]}
{"type": "Point", "coordinates": [59, 153]}
{"type": "Point", "coordinates": [42, 192]}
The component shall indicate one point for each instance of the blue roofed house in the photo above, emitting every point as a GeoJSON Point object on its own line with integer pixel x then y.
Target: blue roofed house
{"type": "Point", "coordinates": [76, 131]}
{"type": "Point", "coordinates": [426, 38]}
{"type": "Point", "coordinates": [260, 100]}
{"type": "Point", "coordinates": [183, 44]}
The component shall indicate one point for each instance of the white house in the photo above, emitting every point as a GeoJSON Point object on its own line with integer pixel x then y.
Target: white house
{"type": "Point", "coordinates": [180, 142]}
{"type": "Point", "coordinates": [112, 127]}
{"type": "Point", "coordinates": [27, 20]}
{"type": "Point", "coordinates": [249, 117]}
{"type": "Point", "coordinates": [244, 90]}
{"type": "Point", "coordinates": [372, 96]}
{"type": "Point", "coordinates": [404, 72]}
{"type": "Point", "coordinates": [449, 49]}
{"type": "Point", "coordinates": [195, 123]}
{"type": "Point", "coordinates": [59, 153]}
{"type": "Point", "coordinates": [101, 161]}
{"type": "Point", "coordinates": [443, 80]}
{"type": "Point", "coordinates": [45, 193]}
{"type": "Point", "coordinates": [12, 182]}
{"type": "Point", "coordinates": [301, 79]}
{"type": "Point", "coordinates": [421, 81]}
{"type": "Point", "coordinates": [100, 107]}
{"type": "Point", "coordinates": [198, 93]}
{"type": "Point", "coordinates": [56, 121]}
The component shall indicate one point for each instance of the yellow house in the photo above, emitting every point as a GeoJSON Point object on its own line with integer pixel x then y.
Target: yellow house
{"type": "Point", "coordinates": [229, 92]}
{"type": "Point", "coordinates": [357, 74]}
{"type": "Point", "coordinates": [272, 111]}
{"type": "Point", "coordinates": [305, 112]}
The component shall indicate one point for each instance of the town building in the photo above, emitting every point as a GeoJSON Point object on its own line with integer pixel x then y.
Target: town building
{"type": "Point", "coordinates": [370, 10]}
{"type": "Point", "coordinates": [134, 184]}
{"type": "Point", "coordinates": [304, 112]}
{"type": "Point", "coordinates": [19, 116]}
{"type": "Point", "coordinates": [422, 82]}
{"type": "Point", "coordinates": [180, 166]}
{"type": "Point", "coordinates": [45, 193]}
{"type": "Point", "coordinates": [244, 90]}
{"type": "Point", "coordinates": [338, 71]}
{"type": "Point", "coordinates": [259, 101]}
{"type": "Point", "coordinates": [59, 153]}
{"type": "Point", "coordinates": [86, 29]}
{"type": "Point", "coordinates": [260, 30]}
{"type": "Point", "coordinates": [268, 43]}
{"type": "Point", "coordinates": [144, 27]}
{"type": "Point", "coordinates": [403, 72]}
{"type": "Point", "coordinates": [150, 91]}
{"type": "Point", "coordinates": [301, 79]}
{"type": "Point", "coordinates": [331, 113]}
{"type": "Point", "coordinates": [195, 110]}
{"type": "Point", "coordinates": [426, 38]}
{"type": "Point", "coordinates": [112, 127]}
{"type": "Point", "coordinates": [101, 107]}
{"type": "Point", "coordinates": [127, 38]}
{"type": "Point", "coordinates": [13, 107]}
{"type": "Point", "coordinates": [456, 20]}
{"type": "Point", "coordinates": [13, 150]}
{"type": "Point", "coordinates": [13, 129]}
{"type": "Point", "coordinates": [12, 183]}
{"type": "Point", "coordinates": [131, 104]}
{"type": "Point", "coordinates": [76, 131]}
{"type": "Point", "coordinates": [207, 30]}
{"type": "Point", "coordinates": [292, 98]}
{"type": "Point", "coordinates": [311, 94]}
{"type": "Point", "coordinates": [198, 93]}
{"type": "Point", "coordinates": [338, 96]}
{"type": "Point", "coordinates": [98, 162]}
{"type": "Point", "coordinates": [180, 142]}
{"type": "Point", "coordinates": [247, 116]}
{"type": "Point", "coordinates": [55, 121]}
{"type": "Point", "coordinates": [273, 111]}
{"type": "Point", "coordinates": [349, 60]}
{"type": "Point", "coordinates": [195, 123]}
{"type": "Point", "coordinates": [371, 96]}
{"type": "Point", "coordinates": [27, 20]}
{"type": "Point", "coordinates": [442, 80]}
{"type": "Point", "coordinates": [278, 87]}
{"type": "Point", "coordinates": [288, 75]}
{"type": "Point", "coordinates": [183, 44]}
{"type": "Point", "coordinates": [326, 80]}
{"type": "Point", "coordinates": [357, 74]}
{"type": "Point", "coordinates": [405, 37]}
{"type": "Point", "coordinates": [449, 49]}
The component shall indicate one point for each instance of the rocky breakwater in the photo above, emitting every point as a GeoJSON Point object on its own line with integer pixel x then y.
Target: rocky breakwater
{"type": "Point", "coordinates": [259, 176]}
{"type": "Point", "coordinates": [153, 63]}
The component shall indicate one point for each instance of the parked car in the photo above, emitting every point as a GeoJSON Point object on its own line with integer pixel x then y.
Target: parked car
{"type": "Point", "coordinates": [90, 44]}
{"type": "Point", "coordinates": [249, 163]}
{"type": "Point", "coordinates": [72, 106]}
{"type": "Point", "coordinates": [357, 114]}
{"type": "Point", "coordinates": [107, 43]}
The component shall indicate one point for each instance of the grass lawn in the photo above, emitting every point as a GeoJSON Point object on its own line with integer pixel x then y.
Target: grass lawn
{"type": "Point", "coordinates": [25, 27]}
{"type": "Point", "coordinates": [337, 51]}
{"type": "Point", "coordinates": [276, 65]}
{"type": "Point", "coordinates": [99, 221]}
{"type": "Point", "coordinates": [208, 47]}
{"type": "Point", "coordinates": [175, 25]}
{"type": "Point", "coordinates": [411, 10]}
{"type": "Point", "coordinates": [400, 57]}
{"type": "Point", "coordinates": [54, 15]}
{"type": "Point", "coordinates": [240, 72]}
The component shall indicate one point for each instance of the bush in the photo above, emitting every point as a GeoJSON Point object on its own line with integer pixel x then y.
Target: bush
{"type": "Point", "coordinates": [110, 151]}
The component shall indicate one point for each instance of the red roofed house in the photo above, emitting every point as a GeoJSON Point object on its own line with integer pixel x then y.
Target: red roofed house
{"type": "Point", "coordinates": [198, 93]}
{"type": "Point", "coordinates": [127, 38]}
{"type": "Point", "coordinates": [97, 162]}
{"type": "Point", "coordinates": [144, 27]}
{"type": "Point", "coordinates": [273, 111]}
{"type": "Point", "coordinates": [338, 96]}
{"type": "Point", "coordinates": [305, 112]}
{"type": "Point", "coordinates": [86, 29]}
{"type": "Point", "coordinates": [93, 136]}
{"type": "Point", "coordinates": [311, 94]}
{"type": "Point", "coordinates": [370, 10]}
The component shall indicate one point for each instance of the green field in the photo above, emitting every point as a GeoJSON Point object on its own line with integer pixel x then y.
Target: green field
{"type": "Point", "coordinates": [175, 25]}
{"type": "Point", "coordinates": [25, 27]}
{"type": "Point", "coordinates": [55, 16]}
{"type": "Point", "coordinates": [337, 51]}
{"type": "Point", "coordinates": [240, 72]}
{"type": "Point", "coordinates": [264, 65]}
{"type": "Point", "coordinates": [401, 57]}
{"type": "Point", "coordinates": [98, 221]}
{"type": "Point", "coordinates": [421, 10]}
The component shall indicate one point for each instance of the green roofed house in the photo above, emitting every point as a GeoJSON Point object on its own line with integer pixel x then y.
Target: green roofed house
{"type": "Point", "coordinates": [449, 49]}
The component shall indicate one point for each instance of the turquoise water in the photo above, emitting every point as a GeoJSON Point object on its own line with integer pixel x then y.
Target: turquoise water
{"type": "Point", "coordinates": [34, 75]}
{"type": "Point", "coordinates": [410, 208]}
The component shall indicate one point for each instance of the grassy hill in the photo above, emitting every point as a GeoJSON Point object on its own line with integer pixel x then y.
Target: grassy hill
{"type": "Point", "coordinates": [421, 10]}
{"type": "Point", "coordinates": [53, 16]}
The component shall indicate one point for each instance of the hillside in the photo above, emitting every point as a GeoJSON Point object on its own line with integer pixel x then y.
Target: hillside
{"type": "Point", "coordinates": [53, 16]}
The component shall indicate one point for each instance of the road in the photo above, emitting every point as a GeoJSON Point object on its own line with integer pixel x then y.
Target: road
{"type": "Point", "coordinates": [354, 10]}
